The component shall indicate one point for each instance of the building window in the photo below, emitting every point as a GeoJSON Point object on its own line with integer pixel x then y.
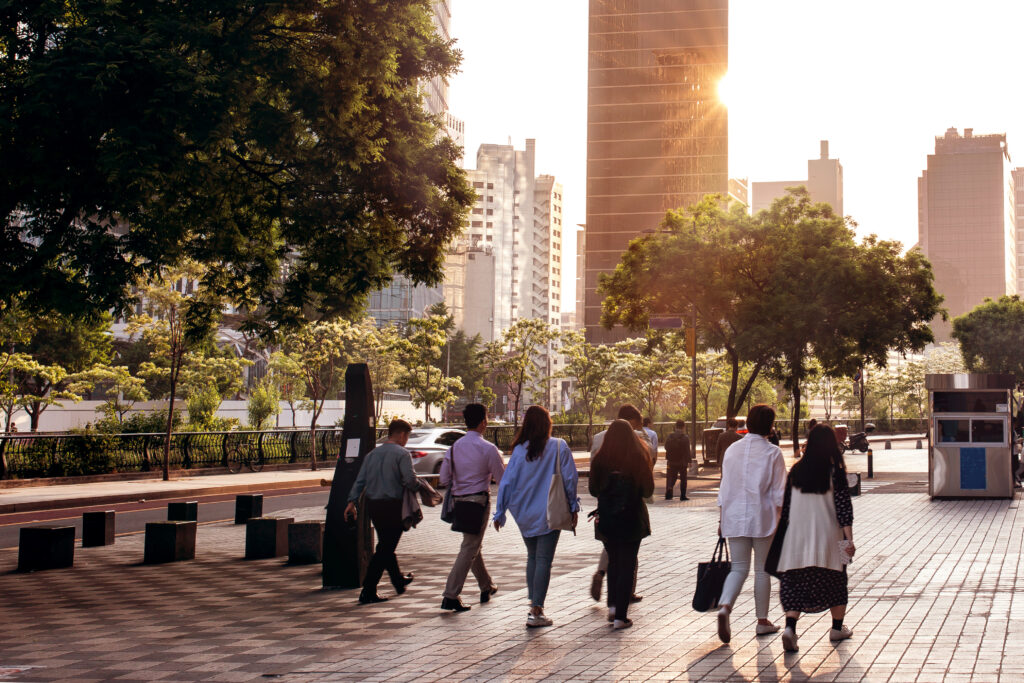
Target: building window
{"type": "Point", "coordinates": [478, 211]}
{"type": "Point", "coordinates": [478, 184]}
{"type": "Point", "coordinates": [490, 198]}
{"type": "Point", "coordinates": [490, 186]}
{"type": "Point", "coordinates": [490, 224]}
{"type": "Point", "coordinates": [490, 212]}
{"type": "Point", "coordinates": [477, 224]}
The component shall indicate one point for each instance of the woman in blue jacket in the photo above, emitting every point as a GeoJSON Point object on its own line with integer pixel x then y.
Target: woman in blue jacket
{"type": "Point", "coordinates": [524, 492]}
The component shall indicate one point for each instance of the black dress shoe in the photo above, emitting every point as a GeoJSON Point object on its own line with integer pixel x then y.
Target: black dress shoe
{"type": "Point", "coordinates": [370, 598]}
{"type": "Point", "coordinates": [454, 604]}
{"type": "Point", "coordinates": [405, 581]}
{"type": "Point", "coordinates": [485, 596]}
{"type": "Point", "coordinates": [635, 598]}
{"type": "Point", "coordinates": [668, 497]}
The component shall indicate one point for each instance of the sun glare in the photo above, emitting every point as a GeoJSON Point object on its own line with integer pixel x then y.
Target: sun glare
{"type": "Point", "coordinates": [725, 90]}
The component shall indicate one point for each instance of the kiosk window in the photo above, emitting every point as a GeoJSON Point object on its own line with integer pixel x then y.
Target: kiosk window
{"type": "Point", "coordinates": [986, 431]}
{"type": "Point", "coordinates": [969, 401]}
{"type": "Point", "coordinates": [954, 431]}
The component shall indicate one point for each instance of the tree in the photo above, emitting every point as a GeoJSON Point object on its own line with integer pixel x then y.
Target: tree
{"type": "Point", "coordinates": [264, 402]}
{"type": "Point", "coordinates": [286, 374]}
{"type": "Point", "coordinates": [990, 335]}
{"type": "Point", "coordinates": [590, 367]}
{"type": "Point", "coordinates": [382, 360]}
{"type": "Point", "coordinates": [11, 401]}
{"type": "Point", "coordinates": [286, 145]}
{"type": "Point", "coordinates": [888, 388]}
{"type": "Point", "coordinates": [418, 353]}
{"type": "Point", "coordinates": [122, 389]}
{"type": "Point", "coordinates": [512, 360]}
{"type": "Point", "coordinates": [169, 330]}
{"type": "Point", "coordinates": [711, 371]}
{"type": "Point", "coordinates": [209, 380]}
{"type": "Point", "coordinates": [708, 260]}
{"type": "Point", "coordinates": [650, 370]}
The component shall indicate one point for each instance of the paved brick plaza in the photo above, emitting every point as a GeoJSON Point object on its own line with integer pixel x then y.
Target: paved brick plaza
{"type": "Point", "coordinates": [932, 592]}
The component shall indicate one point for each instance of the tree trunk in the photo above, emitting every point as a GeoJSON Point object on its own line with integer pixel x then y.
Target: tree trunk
{"type": "Point", "coordinates": [34, 412]}
{"type": "Point", "coordinates": [312, 438]}
{"type": "Point", "coordinates": [732, 406]}
{"type": "Point", "coordinates": [796, 420]}
{"type": "Point", "coordinates": [170, 421]}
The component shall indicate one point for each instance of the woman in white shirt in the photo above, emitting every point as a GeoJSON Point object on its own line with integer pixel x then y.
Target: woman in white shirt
{"type": "Point", "coordinates": [817, 537]}
{"type": "Point", "coordinates": [749, 501]}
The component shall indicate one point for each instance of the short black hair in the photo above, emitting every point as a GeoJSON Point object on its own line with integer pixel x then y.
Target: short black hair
{"type": "Point", "coordinates": [760, 419]}
{"type": "Point", "coordinates": [399, 427]}
{"type": "Point", "coordinates": [648, 422]}
{"type": "Point", "coordinates": [474, 414]}
{"type": "Point", "coordinates": [629, 413]}
{"type": "Point", "coordinates": [732, 422]}
{"type": "Point", "coordinates": [680, 424]}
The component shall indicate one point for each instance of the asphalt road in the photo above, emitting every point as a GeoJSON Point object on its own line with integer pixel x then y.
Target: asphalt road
{"type": "Point", "coordinates": [132, 517]}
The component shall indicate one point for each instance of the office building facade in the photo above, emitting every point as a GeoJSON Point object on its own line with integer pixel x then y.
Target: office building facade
{"type": "Point", "coordinates": [967, 224]}
{"type": "Point", "coordinates": [657, 135]}
{"type": "Point", "coordinates": [824, 183]}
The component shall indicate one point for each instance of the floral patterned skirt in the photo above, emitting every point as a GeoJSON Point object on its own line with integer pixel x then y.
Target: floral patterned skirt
{"type": "Point", "coordinates": [812, 589]}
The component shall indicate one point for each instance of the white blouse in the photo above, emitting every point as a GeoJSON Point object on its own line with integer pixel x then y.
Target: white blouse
{"type": "Point", "coordinates": [753, 484]}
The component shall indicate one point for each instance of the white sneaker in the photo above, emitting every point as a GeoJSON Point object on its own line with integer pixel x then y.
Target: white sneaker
{"type": "Point", "coordinates": [537, 620]}
{"type": "Point", "coordinates": [840, 634]}
{"type": "Point", "coordinates": [611, 614]}
{"type": "Point", "coordinates": [724, 631]}
{"type": "Point", "coordinates": [789, 640]}
{"type": "Point", "coordinates": [765, 629]}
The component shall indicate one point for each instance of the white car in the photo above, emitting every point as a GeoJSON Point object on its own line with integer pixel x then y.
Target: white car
{"type": "Point", "coordinates": [428, 446]}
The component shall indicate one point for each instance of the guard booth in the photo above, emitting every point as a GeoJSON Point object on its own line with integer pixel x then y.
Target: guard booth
{"type": "Point", "coordinates": [970, 436]}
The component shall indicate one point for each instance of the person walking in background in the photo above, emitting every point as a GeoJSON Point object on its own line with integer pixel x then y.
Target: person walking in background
{"type": "Point", "coordinates": [524, 492]}
{"type": "Point", "coordinates": [749, 502]}
{"type": "Point", "coordinates": [468, 467]}
{"type": "Point", "coordinates": [817, 516]}
{"type": "Point", "coordinates": [727, 438]}
{"type": "Point", "coordinates": [620, 479]}
{"type": "Point", "coordinates": [630, 414]}
{"type": "Point", "coordinates": [773, 437]}
{"type": "Point", "coordinates": [677, 459]}
{"type": "Point", "coordinates": [652, 436]}
{"type": "Point", "coordinates": [384, 475]}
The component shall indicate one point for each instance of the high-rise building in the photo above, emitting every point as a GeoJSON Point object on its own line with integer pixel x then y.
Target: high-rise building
{"type": "Point", "coordinates": [967, 224]}
{"type": "Point", "coordinates": [546, 285]}
{"type": "Point", "coordinates": [1018, 193]}
{"type": "Point", "coordinates": [657, 135]}
{"type": "Point", "coordinates": [402, 300]}
{"type": "Point", "coordinates": [824, 183]}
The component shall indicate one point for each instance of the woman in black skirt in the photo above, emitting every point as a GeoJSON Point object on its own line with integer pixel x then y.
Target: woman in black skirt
{"type": "Point", "coordinates": [818, 541]}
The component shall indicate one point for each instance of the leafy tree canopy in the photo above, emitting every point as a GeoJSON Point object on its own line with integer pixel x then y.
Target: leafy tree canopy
{"type": "Point", "coordinates": [990, 336]}
{"type": "Point", "coordinates": [283, 144]}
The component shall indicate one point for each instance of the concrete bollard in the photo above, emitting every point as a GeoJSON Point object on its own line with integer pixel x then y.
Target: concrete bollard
{"type": "Point", "coordinates": [46, 547]}
{"type": "Point", "coordinates": [171, 541]}
{"type": "Point", "coordinates": [305, 542]}
{"type": "Point", "coordinates": [247, 506]}
{"type": "Point", "coordinates": [183, 512]}
{"type": "Point", "coordinates": [919, 446]}
{"type": "Point", "coordinates": [266, 537]}
{"type": "Point", "coordinates": [97, 528]}
{"type": "Point", "coordinates": [871, 464]}
{"type": "Point", "coordinates": [888, 445]}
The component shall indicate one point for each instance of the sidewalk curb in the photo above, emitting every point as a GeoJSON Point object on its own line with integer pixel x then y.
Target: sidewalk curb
{"type": "Point", "coordinates": [111, 499]}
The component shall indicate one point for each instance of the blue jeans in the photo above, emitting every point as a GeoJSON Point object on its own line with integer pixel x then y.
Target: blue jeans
{"type": "Point", "coordinates": [540, 551]}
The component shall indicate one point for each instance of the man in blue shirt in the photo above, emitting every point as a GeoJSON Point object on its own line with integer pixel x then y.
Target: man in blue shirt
{"type": "Point", "coordinates": [468, 467]}
{"type": "Point", "coordinates": [383, 477]}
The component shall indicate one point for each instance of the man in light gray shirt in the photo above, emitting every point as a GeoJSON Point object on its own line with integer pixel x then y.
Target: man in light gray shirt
{"type": "Point", "coordinates": [383, 477]}
{"type": "Point", "coordinates": [469, 467]}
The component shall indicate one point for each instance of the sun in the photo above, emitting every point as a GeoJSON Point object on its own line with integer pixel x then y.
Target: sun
{"type": "Point", "coordinates": [726, 90]}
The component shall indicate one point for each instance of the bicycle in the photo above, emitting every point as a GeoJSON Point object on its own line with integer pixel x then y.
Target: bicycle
{"type": "Point", "coordinates": [244, 453]}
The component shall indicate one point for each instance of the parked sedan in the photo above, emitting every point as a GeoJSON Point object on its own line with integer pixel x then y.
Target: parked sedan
{"type": "Point", "coordinates": [428, 446]}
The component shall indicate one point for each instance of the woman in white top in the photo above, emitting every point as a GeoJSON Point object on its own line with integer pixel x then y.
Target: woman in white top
{"type": "Point", "coordinates": [750, 500]}
{"type": "Point", "coordinates": [818, 528]}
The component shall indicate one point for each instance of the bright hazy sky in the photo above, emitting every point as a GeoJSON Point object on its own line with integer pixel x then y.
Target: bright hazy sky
{"type": "Point", "coordinates": [878, 79]}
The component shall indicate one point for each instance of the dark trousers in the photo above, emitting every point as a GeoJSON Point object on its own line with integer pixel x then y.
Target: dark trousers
{"type": "Point", "coordinates": [673, 470]}
{"type": "Point", "coordinates": [386, 516]}
{"type": "Point", "coordinates": [621, 570]}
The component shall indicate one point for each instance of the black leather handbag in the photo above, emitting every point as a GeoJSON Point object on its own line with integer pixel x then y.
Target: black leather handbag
{"type": "Point", "coordinates": [467, 516]}
{"type": "Point", "coordinates": [711, 577]}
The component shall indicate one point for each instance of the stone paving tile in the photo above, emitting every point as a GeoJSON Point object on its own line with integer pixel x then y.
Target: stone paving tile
{"type": "Point", "coordinates": [932, 598]}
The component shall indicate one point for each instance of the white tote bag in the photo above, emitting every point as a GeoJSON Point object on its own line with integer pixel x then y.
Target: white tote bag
{"type": "Point", "coordinates": [559, 513]}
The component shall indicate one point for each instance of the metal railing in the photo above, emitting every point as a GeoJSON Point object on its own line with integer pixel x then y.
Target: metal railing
{"type": "Point", "coordinates": [25, 456]}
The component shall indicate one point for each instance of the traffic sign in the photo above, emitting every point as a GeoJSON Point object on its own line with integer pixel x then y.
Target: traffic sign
{"type": "Point", "coordinates": [665, 323]}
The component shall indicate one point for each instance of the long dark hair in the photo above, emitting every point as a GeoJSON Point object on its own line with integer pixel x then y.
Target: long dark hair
{"type": "Point", "coordinates": [812, 473]}
{"type": "Point", "coordinates": [621, 449]}
{"type": "Point", "coordinates": [535, 431]}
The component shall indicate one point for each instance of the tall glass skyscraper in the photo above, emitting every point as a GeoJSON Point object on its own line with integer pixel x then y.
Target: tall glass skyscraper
{"type": "Point", "coordinates": [657, 135]}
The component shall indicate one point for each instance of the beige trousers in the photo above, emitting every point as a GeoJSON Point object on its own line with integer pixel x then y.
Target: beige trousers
{"type": "Point", "coordinates": [470, 558]}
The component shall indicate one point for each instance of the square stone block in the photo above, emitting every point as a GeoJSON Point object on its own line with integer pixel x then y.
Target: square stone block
{"type": "Point", "coordinates": [46, 547]}
{"type": "Point", "coordinates": [183, 512]}
{"type": "Point", "coordinates": [170, 541]}
{"type": "Point", "coordinates": [247, 506]}
{"type": "Point", "coordinates": [97, 528]}
{"type": "Point", "coordinates": [305, 542]}
{"type": "Point", "coordinates": [266, 537]}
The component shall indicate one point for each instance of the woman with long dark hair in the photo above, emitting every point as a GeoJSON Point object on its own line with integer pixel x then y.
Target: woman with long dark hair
{"type": "Point", "coordinates": [524, 492]}
{"type": "Point", "coordinates": [620, 479]}
{"type": "Point", "coordinates": [817, 516]}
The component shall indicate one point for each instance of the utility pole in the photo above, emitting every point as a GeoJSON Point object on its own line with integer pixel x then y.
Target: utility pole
{"type": "Point", "coordinates": [691, 348]}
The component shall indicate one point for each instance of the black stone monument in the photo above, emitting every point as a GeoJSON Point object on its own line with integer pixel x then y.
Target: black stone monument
{"type": "Point", "coordinates": [348, 545]}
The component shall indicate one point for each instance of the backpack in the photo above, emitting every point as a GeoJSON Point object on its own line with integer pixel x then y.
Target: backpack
{"type": "Point", "coordinates": [618, 507]}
